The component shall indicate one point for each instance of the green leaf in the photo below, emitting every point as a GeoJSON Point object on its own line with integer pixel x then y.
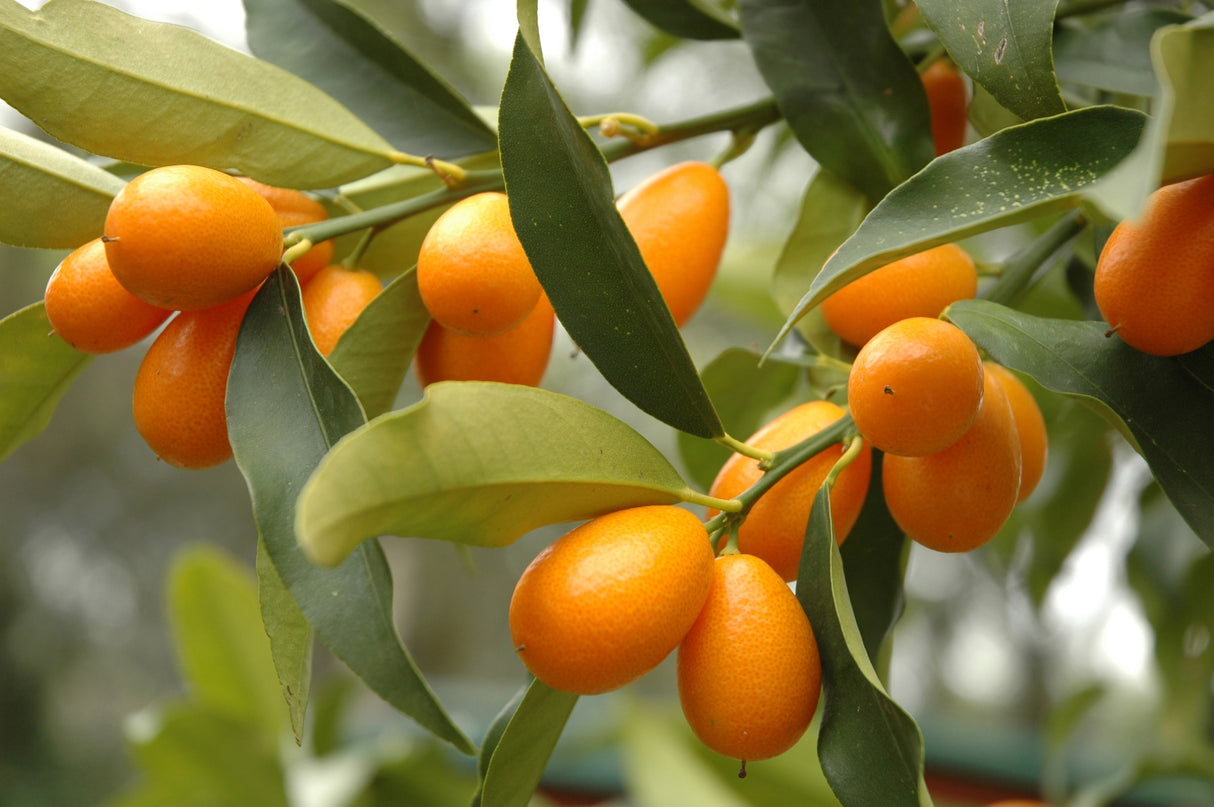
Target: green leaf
{"type": "Point", "coordinates": [688, 19]}
{"type": "Point", "coordinates": [156, 94]}
{"type": "Point", "coordinates": [290, 639]}
{"type": "Point", "coordinates": [222, 648]}
{"type": "Point", "coordinates": [1200, 366]}
{"type": "Point", "coordinates": [871, 750]}
{"type": "Point", "coordinates": [726, 377]}
{"type": "Point", "coordinates": [286, 407]}
{"type": "Point", "coordinates": [478, 463]}
{"type": "Point", "coordinates": [1005, 47]}
{"type": "Point", "coordinates": [1113, 51]}
{"type": "Point", "coordinates": [564, 212]}
{"type": "Point", "coordinates": [525, 747]}
{"type": "Point", "coordinates": [36, 369]}
{"type": "Point", "coordinates": [1184, 56]}
{"type": "Point", "coordinates": [1151, 398]}
{"type": "Point", "coordinates": [48, 197]}
{"type": "Point", "coordinates": [848, 91]}
{"type": "Point", "coordinates": [1015, 175]}
{"type": "Point", "coordinates": [373, 355]}
{"type": "Point", "coordinates": [345, 53]}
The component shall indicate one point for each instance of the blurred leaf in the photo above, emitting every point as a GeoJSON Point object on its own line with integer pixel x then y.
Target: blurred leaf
{"type": "Point", "coordinates": [577, 19]}
{"type": "Point", "coordinates": [286, 407]}
{"type": "Point", "coordinates": [155, 94]}
{"type": "Point", "coordinates": [36, 369]}
{"type": "Point", "coordinates": [1152, 398]}
{"type": "Point", "coordinates": [221, 645]}
{"type": "Point", "coordinates": [1015, 175]}
{"type": "Point", "coordinates": [1113, 51]}
{"type": "Point", "coordinates": [423, 776]}
{"type": "Point", "coordinates": [1184, 57]}
{"type": "Point", "coordinates": [345, 53]}
{"type": "Point", "coordinates": [563, 210]}
{"type": "Point", "coordinates": [48, 197]}
{"type": "Point", "coordinates": [687, 19]}
{"type": "Point", "coordinates": [497, 728]}
{"type": "Point", "coordinates": [871, 750]}
{"type": "Point", "coordinates": [290, 639]}
{"type": "Point", "coordinates": [850, 94]}
{"type": "Point", "coordinates": [745, 391]}
{"type": "Point", "coordinates": [1005, 47]}
{"type": "Point", "coordinates": [526, 744]}
{"type": "Point", "coordinates": [373, 355]}
{"type": "Point", "coordinates": [478, 463]}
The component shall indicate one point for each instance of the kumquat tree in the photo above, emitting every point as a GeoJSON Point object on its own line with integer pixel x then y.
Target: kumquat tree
{"type": "Point", "coordinates": [737, 408]}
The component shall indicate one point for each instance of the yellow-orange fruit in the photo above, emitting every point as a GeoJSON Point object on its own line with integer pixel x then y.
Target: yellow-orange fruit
{"type": "Point", "coordinates": [1154, 280]}
{"type": "Point", "coordinates": [919, 285]}
{"type": "Point", "coordinates": [774, 529]}
{"type": "Point", "coordinates": [333, 299]}
{"type": "Point", "coordinates": [472, 273]}
{"type": "Point", "coordinates": [518, 356]}
{"type": "Point", "coordinates": [606, 603]}
{"type": "Point", "coordinates": [679, 219]}
{"type": "Point", "coordinates": [90, 310]}
{"type": "Point", "coordinates": [178, 402]}
{"type": "Point", "coordinates": [1030, 428]}
{"type": "Point", "coordinates": [295, 208]}
{"type": "Point", "coordinates": [749, 674]}
{"type": "Point", "coordinates": [187, 238]}
{"type": "Point", "coordinates": [915, 387]}
{"type": "Point", "coordinates": [958, 499]}
{"type": "Point", "coordinates": [948, 100]}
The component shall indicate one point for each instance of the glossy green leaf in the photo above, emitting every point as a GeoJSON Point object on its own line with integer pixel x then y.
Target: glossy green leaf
{"type": "Point", "coordinates": [286, 407]}
{"type": "Point", "coordinates": [1184, 57]}
{"type": "Point", "coordinates": [1005, 47]}
{"type": "Point", "coordinates": [155, 94]}
{"type": "Point", "coordinates": [1200, 366]}
{"type": "Point", "coordinates": [1112, 52]}
{"type": "Point", "coordinates": [563, 210]}
{"type": "Point", "coordinates": [221, 646]}
{"type": "Point", "coordinates": [36, 369]}
{"type": "Point", "coordinates": [478, 463]}
{"type": "Point", "coordinates": [339, 49]}
{"type": "Point", "coordinates": [1021, 173]}
{"type": "Point", "coordinates": [745, 391]}
{"type": "Point", "coordinates": [851, 96]}
{"type": "Point", "coordinates": [525, 746]}
{"type": "Point", "coordinates": [1154, 399]}
{"type": "Point", "coordinates": [48, 197]}
{"type": "Point", "coordinates": [688, 19]}
{"type": "Point", "coordinates": [291, 639]}
{"type": "Point", "coordinates": [871, 750]}
{"type": "Point", "coordinates": [373, 355]}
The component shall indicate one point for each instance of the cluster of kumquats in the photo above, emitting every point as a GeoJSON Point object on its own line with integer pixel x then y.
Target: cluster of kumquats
{"type": "Point", "coordinates": [192, 245]}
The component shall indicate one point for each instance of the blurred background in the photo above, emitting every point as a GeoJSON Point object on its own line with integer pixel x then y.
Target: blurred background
{"type": "Point", "coordinates": [1047, 641]}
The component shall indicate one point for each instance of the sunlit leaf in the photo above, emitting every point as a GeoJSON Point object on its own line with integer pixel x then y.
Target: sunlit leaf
{"type": "Point", "coordinates": [525, 746]}
{"type": "Point", "coordinates": [154, 94]}
{"type": "Point", "coordinates": [1005, 47]}
{"type": "Point", "coordinates": [848, 91]}
{"type": "Point", "coordinates": [563, 209]}
{"type": "Point", "coordinates": [479, 463]}
{"type": "Point", "coordinates": [286, 407]}
{"type": "Point", "coordinates": [1184, 56]}
{"type": "Point", "coordinates": [1113, 51]}
{"type": "Point", "coordinates": [48, 197]}
{"type": "Point", "coordinates": [36, 369]}
{"type": "Point", "coordinates": [291, 639]}
{"type": "Point", "coordinates": [687, 18]}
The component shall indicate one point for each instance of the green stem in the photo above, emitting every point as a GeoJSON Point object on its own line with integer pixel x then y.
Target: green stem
{"type": "Point", "coordinates": [854, 446]}
{"type": "Point", "coordinates": [1019, 270]}
{"type": "Point", "coordinates": [738, 447]}
{"type": "Point", "coordinates": [724, 505]}
{"type": "Point", "coordinates": [790, 458]}
{"type": "Point", "coordinates": [752, 116]}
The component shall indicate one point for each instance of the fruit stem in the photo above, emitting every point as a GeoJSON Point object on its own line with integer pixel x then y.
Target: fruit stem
{"type": "Point", "coordinates": [739, 144]}
{"type": "Point", "coordinates": [790, 458]}
{"type": "Point", "coordinates": [738, 447]}
{"type": "Point", "coordinates": [724, 505]}
{"type": "Point", "coordinates": [612, 124]}
{"type": "Point", "coordinates": [852, 448]}
{"type": "Point", "coordinates": [450, 173]}
{"type": "Point", "coordinates": [756, 116]}
{"type": "Point", "coordinates": [1020, 269]}
{"type": "Point", "coordinates": [297, 249]}
{"type": "Point", "coordinates": [352, 260]}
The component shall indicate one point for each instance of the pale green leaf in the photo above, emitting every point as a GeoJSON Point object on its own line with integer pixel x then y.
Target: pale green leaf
{"type": "Point", "coordinates": [290, 639]}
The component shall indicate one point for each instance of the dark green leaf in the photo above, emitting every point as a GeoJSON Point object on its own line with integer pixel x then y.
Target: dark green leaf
{"type": "Point", "coordinates": [290, 639]}
{"type": "Point", "coordinates": [36, 369]}
{"type": "Point", "coordinates": [479, 463]}
{"type": "Point", "coordinates": [745, 391]}
{"type": "Point", "coordinates": [848, 91]}
{"type": "Point", "coordinates": [1005, 47]}
{"type": "Point", "coordinates": [1018, 174]}
{"type": "Point", "coordinates": [48, 197]}
{"type": "Point", "coordinates": [1200, 365]}
{"type": "Point", "coordinates": [1112, 52]}
{"type": "Point", "coordinates": [286, 407]}
{"type": "Point", "coordinates": [1153, 399]}
{"type": "Point", "coordinates": [871, 750]}
{"type": "Point", "coordinates": [373, 355]}
{"type": "Point", "coordinates": [686, 18]}
{"type": "Point", "coordinates": [346, 54]}
{"type": "Point", "coordinates": [155, 94]}
{"type": "Point", "coordinates": [525, 746]}
{"type": "Point", "coordinates": [564, 212]}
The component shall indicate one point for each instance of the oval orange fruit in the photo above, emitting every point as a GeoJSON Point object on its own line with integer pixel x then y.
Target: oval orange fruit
{"type": "Point", "coordinates": [295, 208]}
{"type": "Point", "coordinates": [948, 100]}
{"type": "Point", "coordinates": [1030, 428]}
{"type": "Point", "coordinates": [518, 356]}
{"type": "Point", "coordinates": [333, 299]}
